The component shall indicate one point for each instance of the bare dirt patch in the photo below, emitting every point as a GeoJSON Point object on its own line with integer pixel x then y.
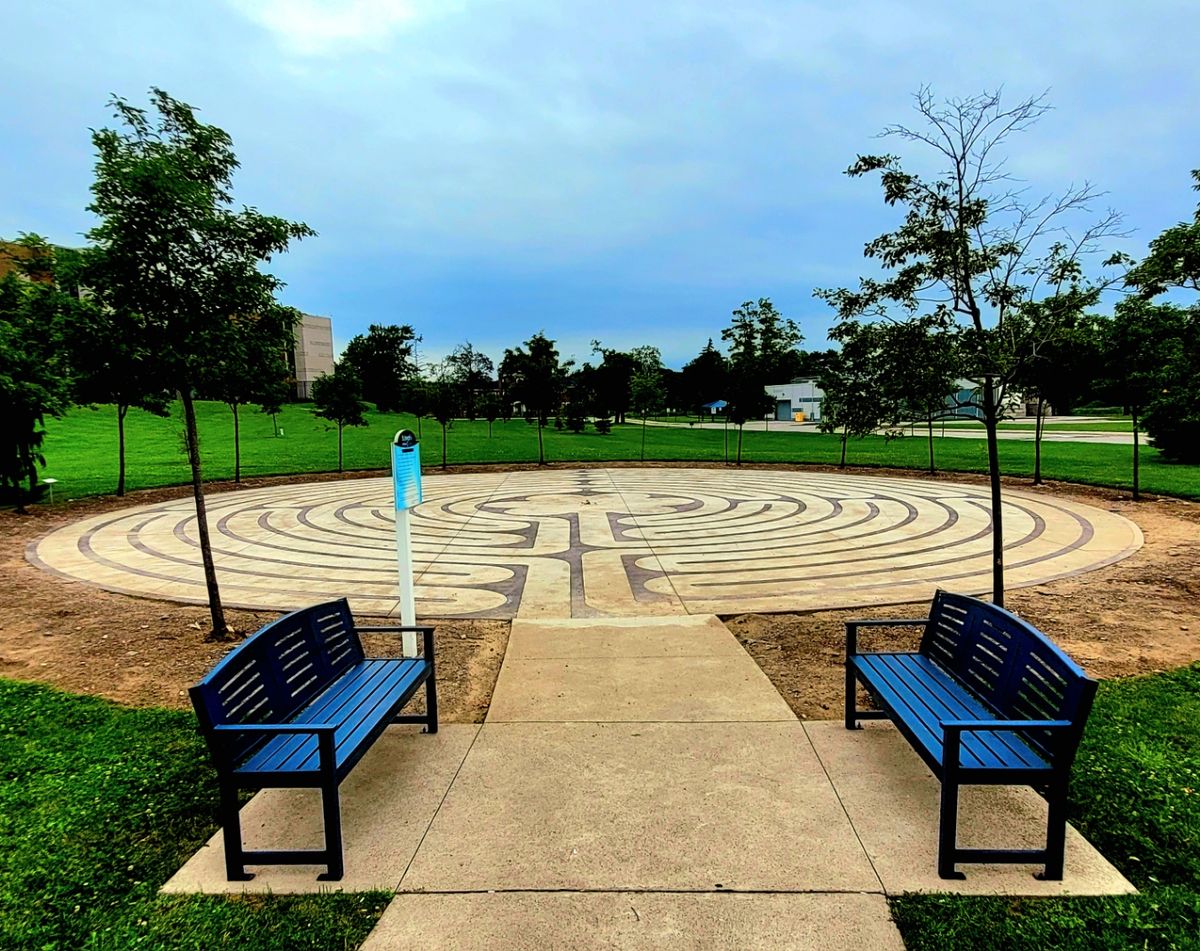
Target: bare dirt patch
{"type": "Point", "coordinates": [147, 653]}
{"type": "Point", "coordinates": [1138, 616]}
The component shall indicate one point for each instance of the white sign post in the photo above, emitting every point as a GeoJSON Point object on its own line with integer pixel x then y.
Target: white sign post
{"type": "Point", "coordinates": [406, 482]}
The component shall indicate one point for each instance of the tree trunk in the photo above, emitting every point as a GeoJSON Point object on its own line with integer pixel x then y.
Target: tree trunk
{"type": "Point", "coordinates": [237, 444]}
{"type": "Point", "coordinates": [220, 629]}
{"type": "Point", "coordinates": [1137, 489]}
{"type": "Point", "coordinates": [541, 451]}
{"type": "Point", "coordinates": [643, 437]}
{"type": "Point", "coordinates": [845, 436]}
{"type": "Point", "coordinates": [122, 409]}
{"type": "Point", "coordinates": [443, 445]}
{"type": "Point", "coordinates": [991, 413]}
{"type": "Point", "coordinates": [932, 471]}
{"type": "Point", "coordinates": [490, 428]}
{"type": "Point", "coordinates": [274, 425]}
{"type": "Point", "coordinates": [1037, 442]}
{"type": "Point", "coordinates": [739, 448]}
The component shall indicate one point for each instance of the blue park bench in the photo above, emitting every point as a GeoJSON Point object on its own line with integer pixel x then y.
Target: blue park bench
{"type": "Point", "coordinates": [986, 700]}
{"type": "Point", "coordinates": [297, 704]}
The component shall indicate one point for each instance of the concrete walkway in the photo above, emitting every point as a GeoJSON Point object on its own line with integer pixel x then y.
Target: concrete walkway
{"type": "Point", "coordinates": [641, 784]}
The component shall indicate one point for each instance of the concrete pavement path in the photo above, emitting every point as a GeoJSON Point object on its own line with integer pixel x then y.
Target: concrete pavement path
{"type": "Point", "coordinates": [640, 783]}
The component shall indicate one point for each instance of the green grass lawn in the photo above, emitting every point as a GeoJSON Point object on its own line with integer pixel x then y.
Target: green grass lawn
{"type": "Point", "coordinates": [99, 805]}
{"type": "Point", "coordinates": [81, 449]}
{"type": "Point", "coordinates": [1103, 426]}
{"type": "Point", "coordinates": [1135, 794]}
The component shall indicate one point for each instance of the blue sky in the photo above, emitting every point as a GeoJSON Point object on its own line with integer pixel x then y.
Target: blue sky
{"type": "Point", "coordinates": [627, 171]}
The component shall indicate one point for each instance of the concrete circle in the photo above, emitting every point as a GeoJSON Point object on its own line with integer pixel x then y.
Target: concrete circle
{"type": "Point", "coordinates": [594, 542]}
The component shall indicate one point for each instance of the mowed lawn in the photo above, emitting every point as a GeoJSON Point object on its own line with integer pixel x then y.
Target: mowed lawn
{"type": "Point", "coordinates": [81, 449]}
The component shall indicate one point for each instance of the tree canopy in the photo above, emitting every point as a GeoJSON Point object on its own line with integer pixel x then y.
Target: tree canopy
{"type": "Point", "coordinates": [384, 362]}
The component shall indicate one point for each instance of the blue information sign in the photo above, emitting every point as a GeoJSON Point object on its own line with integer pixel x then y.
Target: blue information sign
{"type": "Point", "coordinates": [406, 471]}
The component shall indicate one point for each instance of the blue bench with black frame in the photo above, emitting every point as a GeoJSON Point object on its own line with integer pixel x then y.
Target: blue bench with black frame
{"type": "Point", "coordinates": [987, 700]}
{"type": "Point", "coordinates": [297, 704]}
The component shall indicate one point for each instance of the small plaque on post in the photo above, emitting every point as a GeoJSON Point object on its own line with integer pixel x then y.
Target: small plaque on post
{"type": "Point", "coordinates": [406, 470]}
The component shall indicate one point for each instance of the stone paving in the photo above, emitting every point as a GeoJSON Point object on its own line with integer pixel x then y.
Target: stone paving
{"type": "Point", "coordinates": [620, 795]}
{"type": "Point", "coordinates": [593, 543]}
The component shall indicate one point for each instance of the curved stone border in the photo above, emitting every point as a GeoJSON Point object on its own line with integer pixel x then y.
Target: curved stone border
{"type": "Point", "coordinates": [594, 542]}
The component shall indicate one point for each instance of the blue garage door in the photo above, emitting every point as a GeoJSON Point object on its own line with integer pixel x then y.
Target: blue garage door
{"type": "Point", "coordinates": [783, 409]}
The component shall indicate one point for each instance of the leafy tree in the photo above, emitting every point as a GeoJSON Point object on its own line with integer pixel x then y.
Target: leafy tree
{"type": "Point", "coordinates": [383, 359]}
{"type": "Point", "coordinates": [917, 371]}
{"type": "Point", "coordinates": [35, 377]}
{"type": "Point", "coordinates": [491, 410]}
{"type": "Point", "coordinates": [115, 362]}
{"type": "Point", "coordinates": [611, 381]}
{"type": "Point", "coordinates": [444, 395]}
{"type": "Point", "coordinates": [1143, 339]}
{"type": "Point", "coordinates": [472, 373]}
{"type": "Point", "coordinates": [533, 375]}
{"type": "Point", "coordinates": [646, 393]}
{"type": "Point", "coordinates": [1173, 418]}
{"type": "Point", "coordinates": [171, 248]}
{"type": "Point", "coordinates": [857, 401]}
{"type": "Point", "coordinates": [704, 378]}
{"type": "Point", "coordinates": [337, 397]}
{"type": "Point", "coordinates": [761, 345]}
{"type": "Point", "coordinates": [252, 367]}
{"type": "Point", "coordinates": [973, 251]}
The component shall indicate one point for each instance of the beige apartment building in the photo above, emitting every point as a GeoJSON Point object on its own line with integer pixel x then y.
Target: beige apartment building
{"type": "Point", "coordinates": [312, 357]}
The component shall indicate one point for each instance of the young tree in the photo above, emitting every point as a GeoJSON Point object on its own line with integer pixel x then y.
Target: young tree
{"type": "Point", "coordinates": [533, 375]}
{"type": "Point", "coordinates": [490, 410]}
{"type": "Point", "coordinates": [611, 380]}
{"type": "Point", "coordinates": [252, 368]}
{"type": "Point", "coordinates": [645, 386]}
{"type": "Point", "coordinates": [445, 395]}
{"type": "Point", "coordinates": [918, 369]}
{"type": "Point", "coordinates": [973, 250]}
{"type": "Point", "coordinates": [857, 400]}
{"type": "Point", "coordinates": [471, 372]}
{"type": "Point", "coordinates": [171, 248]}
{"type": "Point", "coordinates": [384, 360]}
{"type": "Point", "coordinates": [113, 356]}
{"type": "Point", "coordinates": [762, 345]}
{"type": "Point", "coordinates": [337, 397]}
{"type": "Point", "coordinates": [1143, 339]}
{"type": "Point", "coordinates": [35, 376]}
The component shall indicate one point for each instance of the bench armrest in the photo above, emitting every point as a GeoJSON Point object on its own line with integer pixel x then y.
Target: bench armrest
{"type": "Point", "coordinates": [952, 744]}
{"type": "Point", "coordinates": [853, 626]}
{"type": "Point", "coordinates": [314, 728]}
{"type": "Point", "coordinates": [424, 630]}
{"type": "Point", "coordinates": [971, 725]}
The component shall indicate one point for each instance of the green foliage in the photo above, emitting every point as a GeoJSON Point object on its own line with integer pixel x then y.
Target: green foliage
{"type": "Point", "coordinates": [1135, 794]}
{"type": "Point", "coordinates": [35, 373]}
{"type": "Point", "coordinates": [704, 379]}
{"type": "Point", "coordinates": [1174, 258]}
{"type": "Point", "coordinates": [337, 396]}
{"type": "Point", "coordinates": [471, 372]}
{"type": "Point", "coordinates": [532, 374]}
{"type": "Point", "coordinates": [383, 360]}
{"type": "Point", "coordinates": [99, 805]}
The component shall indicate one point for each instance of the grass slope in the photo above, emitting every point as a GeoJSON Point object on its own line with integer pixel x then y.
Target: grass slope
{"type": "Point", "coordinates": [1135, 795]}
{"type": "Point", "coordinates": [81, 449]}
{"type": "Point", "coordinates": [99, 805]}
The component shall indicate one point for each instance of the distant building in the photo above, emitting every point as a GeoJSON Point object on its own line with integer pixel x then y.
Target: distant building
{"type": "Point", "coordinates": [312, 356]}
{"type": "Point", "coordinates": [801, 396]}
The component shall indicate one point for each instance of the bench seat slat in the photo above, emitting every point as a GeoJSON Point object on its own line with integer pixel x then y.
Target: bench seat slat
{"type": "Point", "coordinates": [358, 702]}
{"type": "Point", "coordinates": [924, 695]}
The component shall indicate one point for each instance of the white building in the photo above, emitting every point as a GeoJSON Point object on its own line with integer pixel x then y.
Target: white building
{"type": "Point", "coordinates": [312, 357]}
{"type": "Point", "coordinates": [802, 395]}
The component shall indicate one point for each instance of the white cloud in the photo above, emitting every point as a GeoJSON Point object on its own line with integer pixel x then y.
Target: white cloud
{"type": "Point", "coordinates": [321, 27]}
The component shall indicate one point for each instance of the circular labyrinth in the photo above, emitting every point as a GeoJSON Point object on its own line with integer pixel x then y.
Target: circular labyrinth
{"type": "Point", "coordinates": [593, 542]}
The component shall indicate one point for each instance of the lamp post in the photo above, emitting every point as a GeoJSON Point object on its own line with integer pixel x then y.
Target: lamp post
{"type": "Point", "coordinates": [51, 483]}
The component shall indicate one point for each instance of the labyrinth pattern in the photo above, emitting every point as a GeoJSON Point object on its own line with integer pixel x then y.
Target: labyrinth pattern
{"type": "Point", "coordinates": [593, 543]}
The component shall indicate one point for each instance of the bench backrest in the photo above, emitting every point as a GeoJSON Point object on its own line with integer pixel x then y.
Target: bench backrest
{"type": "Point", "coordinates": [277, 670]}
{"type": "Point", "coordinates": [1012, 667]}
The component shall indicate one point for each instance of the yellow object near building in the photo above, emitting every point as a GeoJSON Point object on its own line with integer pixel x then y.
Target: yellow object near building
{"type": "Point", "coordinates": [798, 417]}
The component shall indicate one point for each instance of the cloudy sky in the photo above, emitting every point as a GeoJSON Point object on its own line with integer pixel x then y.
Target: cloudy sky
{"type": "Point", "coordinates": [627, 171]}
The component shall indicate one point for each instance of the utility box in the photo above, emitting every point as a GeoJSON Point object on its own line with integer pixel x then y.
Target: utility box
{"type": "Point", "coordinates": [406, 470]}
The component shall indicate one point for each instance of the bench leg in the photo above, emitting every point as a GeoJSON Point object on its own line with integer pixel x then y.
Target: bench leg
{"type": "Point", "coordinates": [231, 825]}
{"type": "Point", "coordinates": [1056, 832]}
{"type": "Point", "coordinates": [332, 810]}
{"type": "Point", "coordinates": [431, 710]}
{"type": "Point", "coordinates": [948, 831]}
{"type": "Point", "coordinates": [851, 699]}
